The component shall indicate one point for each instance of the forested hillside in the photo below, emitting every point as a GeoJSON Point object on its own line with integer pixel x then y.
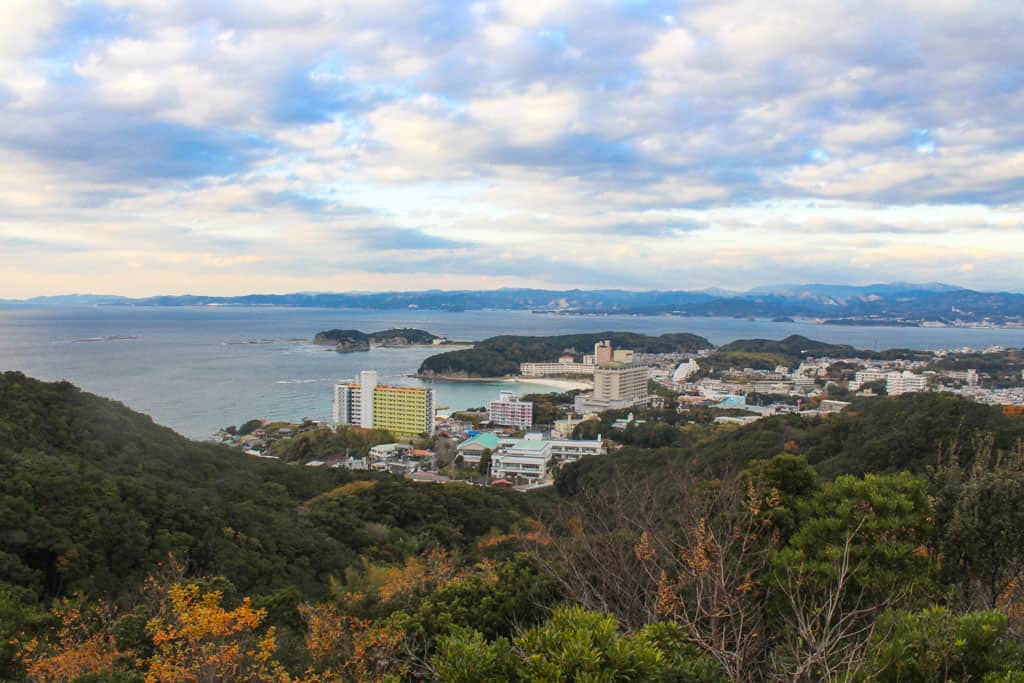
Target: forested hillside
{"type": "Point", "coordinates": [94, 496]}
{"type": "Point", "coordinates": [880, 545]}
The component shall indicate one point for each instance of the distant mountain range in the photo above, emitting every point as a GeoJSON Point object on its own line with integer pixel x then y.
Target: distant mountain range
{"type": "Point", "coordinates": [892, 303]}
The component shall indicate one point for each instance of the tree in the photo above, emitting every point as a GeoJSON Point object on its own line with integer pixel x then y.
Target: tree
{"type": "Point", "coordinates": [934, 645]}
{"type": "Point", "coordinates": [249, 427]}
{"type": "Point", "coordinates": [83, 642]}
{"type": "Point", "coordinates": [484, 466]}
{"type": "Point", "coordinates": [588, 429]}
{"type": "Point", "coordinates": [678, 549]}
{"type": "Point", "coordinates": [981, 522]}
{"type": "Point", "coordinates": [890, 520]}
{"type": "Point", "coordinates": [346, 648]}
{"type": "Point", "coordinates": [825, 635]}
{"type": "Point", "coordinates": [573, 645]}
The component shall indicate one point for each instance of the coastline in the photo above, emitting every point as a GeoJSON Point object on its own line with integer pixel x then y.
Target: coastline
{"type": "Point", "coordinates": [558, 383]}
{"type": "Point", "coordinates": [563, 384]}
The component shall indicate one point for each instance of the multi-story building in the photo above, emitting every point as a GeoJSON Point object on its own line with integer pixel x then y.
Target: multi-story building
{"type": "Point", "coordinates": [405, 411]}
{"type": "Point", "coordinates": [473, 448]}
{"type": "Point", "coordinates": [685, 371]}
{"type": "Point", "coordinates": [905, 382]}
{"type": "Point", "coordinates": [968, 376]}
{"type": "Point", "coordinates": [525, 458]}
{"type": "Point", "coordinates": [570, 450]}
{"type": "Point", "coordinates": [567, 367]}
{"type": "Point", "coordinates": [867, 376]}
{"type": "Point", "coordinates": [509, 411]}
{"type": "Point", "coordinates": [617, 383]}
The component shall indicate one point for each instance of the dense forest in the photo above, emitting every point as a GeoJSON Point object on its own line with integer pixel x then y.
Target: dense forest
{"type": "Point", "coordinates": [501, 356]}
{"type": "Point", "coordinates": [883, 544]}
{"type": "Point", "coordinates": [767, 354]}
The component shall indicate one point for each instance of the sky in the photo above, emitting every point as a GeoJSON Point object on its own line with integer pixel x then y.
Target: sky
{"type": "Point", "coordinates": [187, 146]}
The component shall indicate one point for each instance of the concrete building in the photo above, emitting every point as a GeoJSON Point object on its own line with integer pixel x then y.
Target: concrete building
{"type": "Point", "coordinates": [509, 411]}
{"type": "Point", "coordinates": [564, 428]}
{"type": "Point", "coordinates": [617, 383]}
{"type": "Point", "coordinates": [685, 371]}
{"type": "Point", "coordinates": [867, 376]}
{"type": "Point", "coordinates": [970, 377]}
{"type": "Point", "coordinates": [906, 382]}
{"type": "Point", "coordinates": [560, 368]}
{"type": "Point", "coordinates": [569, 450]}
{"type": "Point", "coordinates": [527, 458]}
{"type": "Point", "coordinates": [404, 411]}
{"type": "Point", "coordinates": [620, 384]}
{"type": "Point", "coordinates": [831, 406]}
{"type": "Point", "coordinates": [623, 355]}
{"type": "Point", "coordinates": [472, 449]}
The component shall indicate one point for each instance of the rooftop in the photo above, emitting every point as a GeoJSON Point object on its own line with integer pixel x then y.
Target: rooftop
{"type": "Point", "coordinates": [487, 440]}
{"type": "Point", "coordinates": [535, 445]}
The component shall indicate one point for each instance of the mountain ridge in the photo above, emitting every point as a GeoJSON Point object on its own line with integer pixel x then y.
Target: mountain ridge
{"type": "Point", "coordinates": [899, 302]}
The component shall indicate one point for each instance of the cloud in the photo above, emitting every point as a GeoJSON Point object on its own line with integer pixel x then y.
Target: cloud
{"type": "Point", "coordinates": [400, 239]}
{"type": "Point", "coordinates": [657, 144]}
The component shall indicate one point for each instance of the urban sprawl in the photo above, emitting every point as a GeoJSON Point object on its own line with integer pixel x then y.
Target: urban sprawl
{"type": "Point", "coordinates": [503, 445]}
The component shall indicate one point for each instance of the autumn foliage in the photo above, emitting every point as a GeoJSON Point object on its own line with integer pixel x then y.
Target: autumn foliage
{"type": "Point", "coordinates": [194, 640]}
{"type": "Point", "coordinates": [82, 643]}
{"type": "Point", "coordinates": [199, 641]}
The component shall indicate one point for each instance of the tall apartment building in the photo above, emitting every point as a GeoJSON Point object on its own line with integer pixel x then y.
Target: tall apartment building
{"type": "Point", "coordinates": [618, 381]}
{"type": "Point", "coordinates": [509, 411]}
{"type": "Point", "coordinates": [405, 411]}
{"type": "Point", "coordinates": [905, 382]}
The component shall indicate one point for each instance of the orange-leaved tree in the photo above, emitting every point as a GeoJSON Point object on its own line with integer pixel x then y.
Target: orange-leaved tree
{"type": "Point", "coordinates": [347, 648]}
{"type": "Point", "coordinates": [82, 643]}
{"type": "Point", "coordinates": [197, 640]}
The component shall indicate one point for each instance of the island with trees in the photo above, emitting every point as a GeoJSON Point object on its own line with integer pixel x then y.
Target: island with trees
{"type": "Point", "coordinates": [348, 341]}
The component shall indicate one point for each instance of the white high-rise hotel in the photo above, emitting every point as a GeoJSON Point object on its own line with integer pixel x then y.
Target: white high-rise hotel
{"type": "Point", "coordinates": [619, 382]}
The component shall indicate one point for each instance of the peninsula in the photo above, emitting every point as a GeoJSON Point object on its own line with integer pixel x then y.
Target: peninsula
{"type": "Point", "coordinates": [501, 356]}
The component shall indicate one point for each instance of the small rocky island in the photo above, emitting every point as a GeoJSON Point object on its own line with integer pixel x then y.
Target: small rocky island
{"type": "Point", "coordinates": [349, 341]}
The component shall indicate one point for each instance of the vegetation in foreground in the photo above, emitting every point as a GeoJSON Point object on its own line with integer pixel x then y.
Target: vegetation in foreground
{"type": "Point", "coordinates": [130, 554]}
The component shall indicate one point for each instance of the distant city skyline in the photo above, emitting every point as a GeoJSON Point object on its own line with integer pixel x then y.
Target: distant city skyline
{"type": "Point", "coordinates": [223, 149]}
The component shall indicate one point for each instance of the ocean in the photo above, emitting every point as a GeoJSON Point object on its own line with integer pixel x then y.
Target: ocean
{"type": "Point", "coordinates": [197, 369]}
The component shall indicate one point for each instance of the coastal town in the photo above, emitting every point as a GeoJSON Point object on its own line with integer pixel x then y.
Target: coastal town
{"type": "Point", "coordinates": [605, 392]}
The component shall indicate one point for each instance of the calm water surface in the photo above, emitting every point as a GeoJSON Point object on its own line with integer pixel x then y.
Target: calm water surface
{"type": "Point", "coordinates": [197, 369]}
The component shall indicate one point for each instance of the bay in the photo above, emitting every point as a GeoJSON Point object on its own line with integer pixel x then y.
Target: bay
{"type": "Point", "coordinates": [196, 369]}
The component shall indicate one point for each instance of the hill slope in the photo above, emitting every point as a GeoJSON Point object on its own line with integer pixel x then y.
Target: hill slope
{"type": "Point", "coordinates": [93, 494]}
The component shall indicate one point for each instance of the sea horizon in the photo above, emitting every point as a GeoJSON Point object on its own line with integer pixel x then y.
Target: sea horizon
{"type": "Point", "coordinates": [197, 369]}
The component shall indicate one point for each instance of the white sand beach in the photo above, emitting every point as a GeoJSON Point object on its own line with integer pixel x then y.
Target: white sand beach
{"type": "Point", "coordinates": [556, 382]}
